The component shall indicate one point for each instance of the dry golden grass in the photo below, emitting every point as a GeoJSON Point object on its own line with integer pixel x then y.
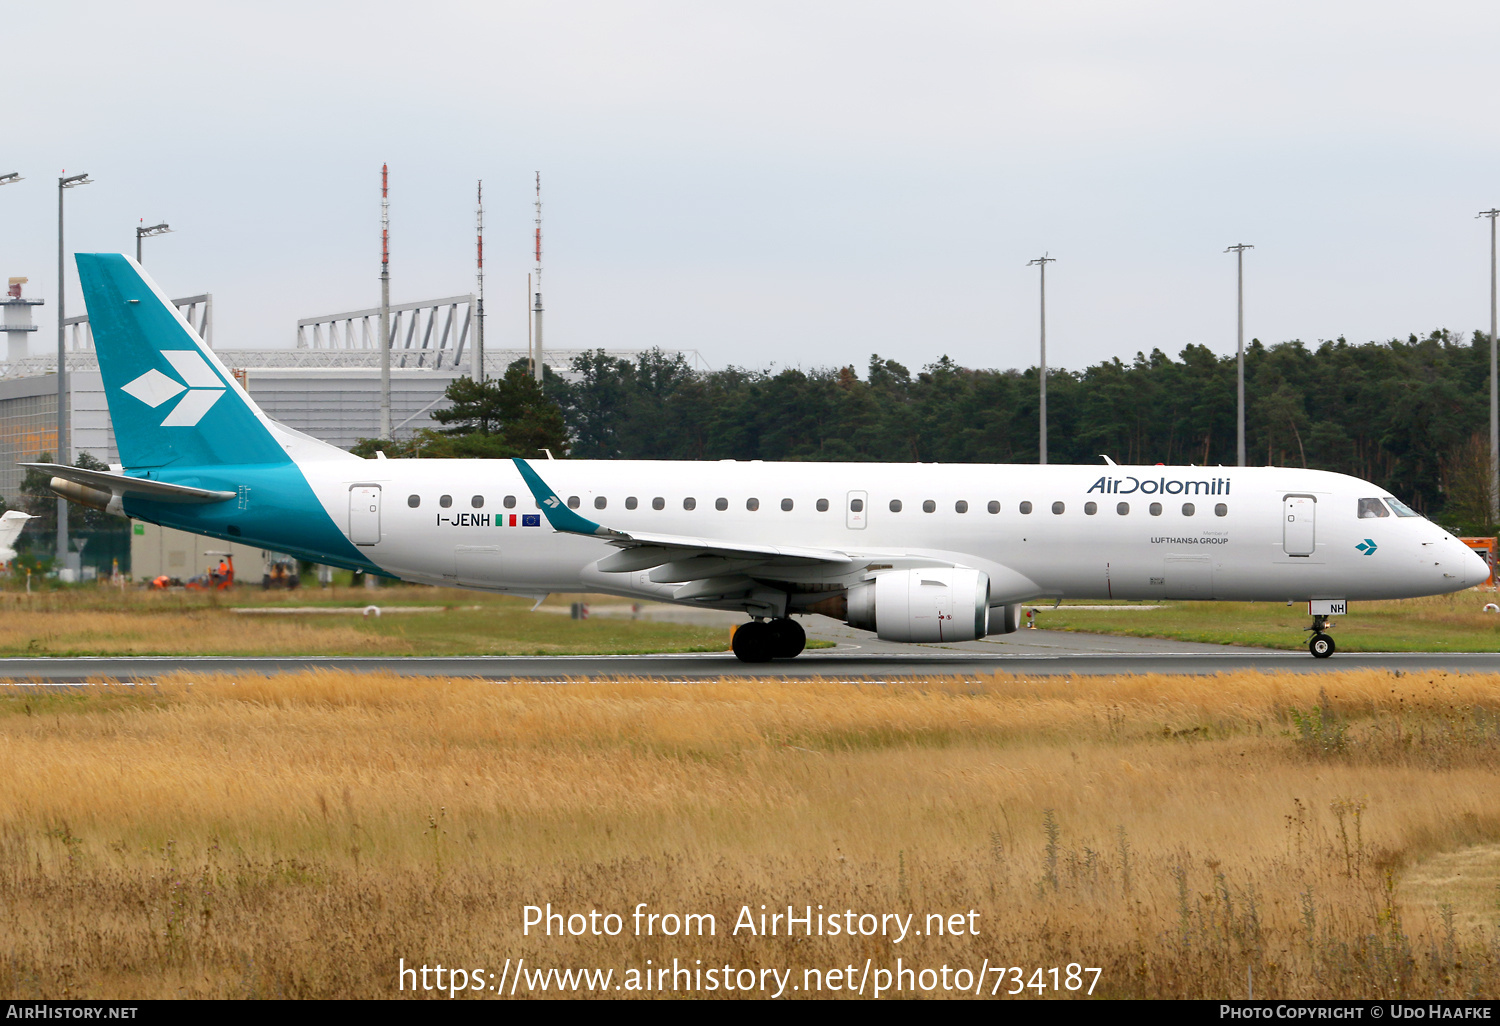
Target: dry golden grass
{"type": "Point", "coordinates": [297, 835]}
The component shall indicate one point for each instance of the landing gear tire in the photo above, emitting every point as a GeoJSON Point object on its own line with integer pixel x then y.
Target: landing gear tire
{"type": "Point", "coordinates": [788, 638]}
{"type": "Point", "coordinates": [754, 642]}
{"type": "Point", "coordinates": [1321, 646]}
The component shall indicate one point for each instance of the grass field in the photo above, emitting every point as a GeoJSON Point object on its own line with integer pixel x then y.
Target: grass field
{"type": "Point", "coordinates": [295, 836]}
{"type": "Point", "coordinates": [107, 621]}
{"type": "Point", "coordinates": [1442, 623]}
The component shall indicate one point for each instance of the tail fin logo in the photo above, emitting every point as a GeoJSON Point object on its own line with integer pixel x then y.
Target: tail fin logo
{"type": "Point", "coordinates": [202, 387]}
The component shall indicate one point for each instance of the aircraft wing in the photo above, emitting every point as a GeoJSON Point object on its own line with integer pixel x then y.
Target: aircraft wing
{"type": "Point", "coordinates": [11, 522]}
{"type": "Point", "coordinates": [677, 557]}
{"type": "Point", "coordinates": [118, 485]}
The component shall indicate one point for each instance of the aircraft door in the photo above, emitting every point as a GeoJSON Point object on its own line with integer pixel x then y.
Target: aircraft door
{"type": "Point", "coordinates": [364, 514]}
{"type": "Point", "coordinates": [1298, 524]}
{"type": "Point", "coordinates": [857, 510]}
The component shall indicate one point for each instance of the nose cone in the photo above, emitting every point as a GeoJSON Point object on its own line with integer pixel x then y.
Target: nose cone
{"type": "Point", "coordinates": [1476, 567]}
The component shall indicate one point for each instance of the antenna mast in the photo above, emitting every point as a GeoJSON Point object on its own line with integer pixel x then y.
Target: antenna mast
{"type": "Point", "coordinates": [536, 309]}
{"type": "Point", "coordinates": [385, 304]}
{"type": "Point", "coordinates": [476, 355]}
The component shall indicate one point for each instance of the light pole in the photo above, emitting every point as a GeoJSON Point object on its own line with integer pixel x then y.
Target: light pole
{"type": "Point", "coordinates": [1238, 249]}
{"type": "Point", "coordinates": [1494, 383]}
{"type": "Point", "coordinates": [1042, 262]}
{"type": "Point", "coordinates": [63, 456]}
{"type": "Point", "coordinates": [146, 233]}
{"type": "Point", "coordinates": [385, 304]}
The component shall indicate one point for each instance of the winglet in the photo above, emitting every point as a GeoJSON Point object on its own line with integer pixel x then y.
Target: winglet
{"type": "Point", "coordinates": [555, 510]}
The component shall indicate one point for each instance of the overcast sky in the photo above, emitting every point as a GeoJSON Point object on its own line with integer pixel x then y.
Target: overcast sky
{"type": "Point", "coordinates": [777, 183]}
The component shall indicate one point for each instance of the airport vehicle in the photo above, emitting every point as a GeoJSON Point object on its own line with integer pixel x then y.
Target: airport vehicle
{"type": "Point", "coordinates": [11, 522]}
{"type": "Point", "coordinates": [919, 552]}
{"type": "Point", "coordinates": [280, 571]}
{"type": "Point", "coordinates": [218, 577]}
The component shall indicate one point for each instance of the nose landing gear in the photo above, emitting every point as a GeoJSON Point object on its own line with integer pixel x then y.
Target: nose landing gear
{"type": "Point", "coordinates": [1321, 645]}
{"type": "Point", "coordinates": [760, 641]}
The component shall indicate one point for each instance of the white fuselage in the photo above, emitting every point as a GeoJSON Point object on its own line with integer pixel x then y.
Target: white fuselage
{"type": "Point", "coordinates": [1241, 540]}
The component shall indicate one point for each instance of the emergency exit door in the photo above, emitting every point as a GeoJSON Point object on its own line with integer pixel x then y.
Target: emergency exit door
{"type": "Point", "coordinates": [855, 512]}
{"type": "Point", "coordinates": [1299, 524]}
{"type": "Point", "coordinates": [364, 514]}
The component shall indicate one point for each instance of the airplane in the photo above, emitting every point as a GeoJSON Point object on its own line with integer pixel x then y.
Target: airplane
{"type": "Point", "coordinates": [925, 553]}
{"type": "Point", "coordinates": [11, 522]}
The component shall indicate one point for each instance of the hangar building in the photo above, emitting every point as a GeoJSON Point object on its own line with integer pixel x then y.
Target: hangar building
{"type": "Point", "coordinates": [327, 386]}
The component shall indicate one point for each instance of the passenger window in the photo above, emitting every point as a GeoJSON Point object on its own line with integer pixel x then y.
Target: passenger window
{"type": "Point", "coordinates": [721, 504]}
{"type": "Point", "coordinates": [752, 504]}
{"type": "Point", "coordinates": [689, 503]}
{"type": "Point", "coordinates": [961, 506]}
{"type": "Point", "coordinates": [631, 502]}
{"type": "Point", "coordinates": [510, 502]}
{"type": "Point", "coordinates": [1058, 508]}
{"type": "Point", "coordinates": [445, 501]}
{"type": "Point", "coordinates": [1122, 508]}
{"type": "Point", "coordinates": [414, 501]}
{"type": "Point", "coordinates": [1026, 508]}
{"type": "Point", "coordinates": [658, 503]}
{"type": "Point", "coordinates": [895, 505]}
{"type": "Point", "coordinates": [477, 502]}
{"type": "Point", "coordinates": [1221, 510]}
{"type": "Point", "coordinates": [573, 502]}
{"type": "Point", "coordinates": [1090, 508]}
{"type": "Point", "coordinates": [786, 505]}
{"type": "Point", "coordinates": [600, 502]}
{"type": "Point", "coordinates": [822, 505]}
{"type": "Point", "coordinates": [1156, 509]}
{"type": "Point", "coordinates": [994, 507]}
{"type": "Point", "coordinates": [1188, 509]}
{"type": "Point", "coordinates": [928, 506]}
{"type": "Point", "coordinates": [1372, 508]}
{"type": "Point", "coordinates": [856, 505]}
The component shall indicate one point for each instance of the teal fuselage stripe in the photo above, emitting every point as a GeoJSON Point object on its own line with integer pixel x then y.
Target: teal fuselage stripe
{"type": "Point", "coordinates": [274, 508]}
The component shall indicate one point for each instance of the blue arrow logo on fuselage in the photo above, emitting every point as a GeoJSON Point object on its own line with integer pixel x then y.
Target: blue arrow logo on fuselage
{"type": "Point", "coordinates": [1367, 546]}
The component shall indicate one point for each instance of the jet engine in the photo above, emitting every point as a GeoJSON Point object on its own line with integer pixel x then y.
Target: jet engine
{"type": "Point", "coordinates": [948, 604]}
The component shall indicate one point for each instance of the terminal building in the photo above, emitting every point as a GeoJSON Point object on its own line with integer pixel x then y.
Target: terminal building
{"type": "Point", "coordinates": [327, 385]}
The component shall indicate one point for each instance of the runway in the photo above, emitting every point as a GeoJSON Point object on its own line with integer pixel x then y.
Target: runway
{"type": "Point", "coordinates": [855, 658]}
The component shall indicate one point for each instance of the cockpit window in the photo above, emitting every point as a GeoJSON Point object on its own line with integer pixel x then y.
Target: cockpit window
{"type": "Point", "coordinates": [1369, 508]}
{"type": "Point", "coordinates": [1400, 508]}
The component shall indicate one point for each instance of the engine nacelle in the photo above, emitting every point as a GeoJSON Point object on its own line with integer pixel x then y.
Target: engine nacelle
{"type": "Point", "coordinates": [946, 604]}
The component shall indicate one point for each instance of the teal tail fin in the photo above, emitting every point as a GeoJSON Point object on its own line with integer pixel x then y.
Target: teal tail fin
{"type": "Point", "coordinates": [171, 400]}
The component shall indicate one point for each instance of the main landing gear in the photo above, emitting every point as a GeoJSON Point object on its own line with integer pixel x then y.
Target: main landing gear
{"type": "Point", "coordinates": [1321, 645]}
{"type": "Point", "coordinates": [760, 641]}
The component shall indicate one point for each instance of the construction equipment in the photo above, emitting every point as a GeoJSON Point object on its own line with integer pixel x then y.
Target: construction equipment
{"type": "Point", "coordinates": [218, 578]}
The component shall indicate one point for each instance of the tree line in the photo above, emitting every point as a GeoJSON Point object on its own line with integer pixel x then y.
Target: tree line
{"type": "Point", "coordinates": [1411, 416]}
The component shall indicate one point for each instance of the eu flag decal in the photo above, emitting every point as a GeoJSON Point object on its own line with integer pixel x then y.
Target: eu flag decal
{"type": "Point", "coordinates": [531, 520]}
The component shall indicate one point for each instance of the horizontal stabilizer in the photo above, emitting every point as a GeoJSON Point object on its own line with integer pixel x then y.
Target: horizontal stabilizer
{"type": "Point", "coordinates": [119, 486]}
